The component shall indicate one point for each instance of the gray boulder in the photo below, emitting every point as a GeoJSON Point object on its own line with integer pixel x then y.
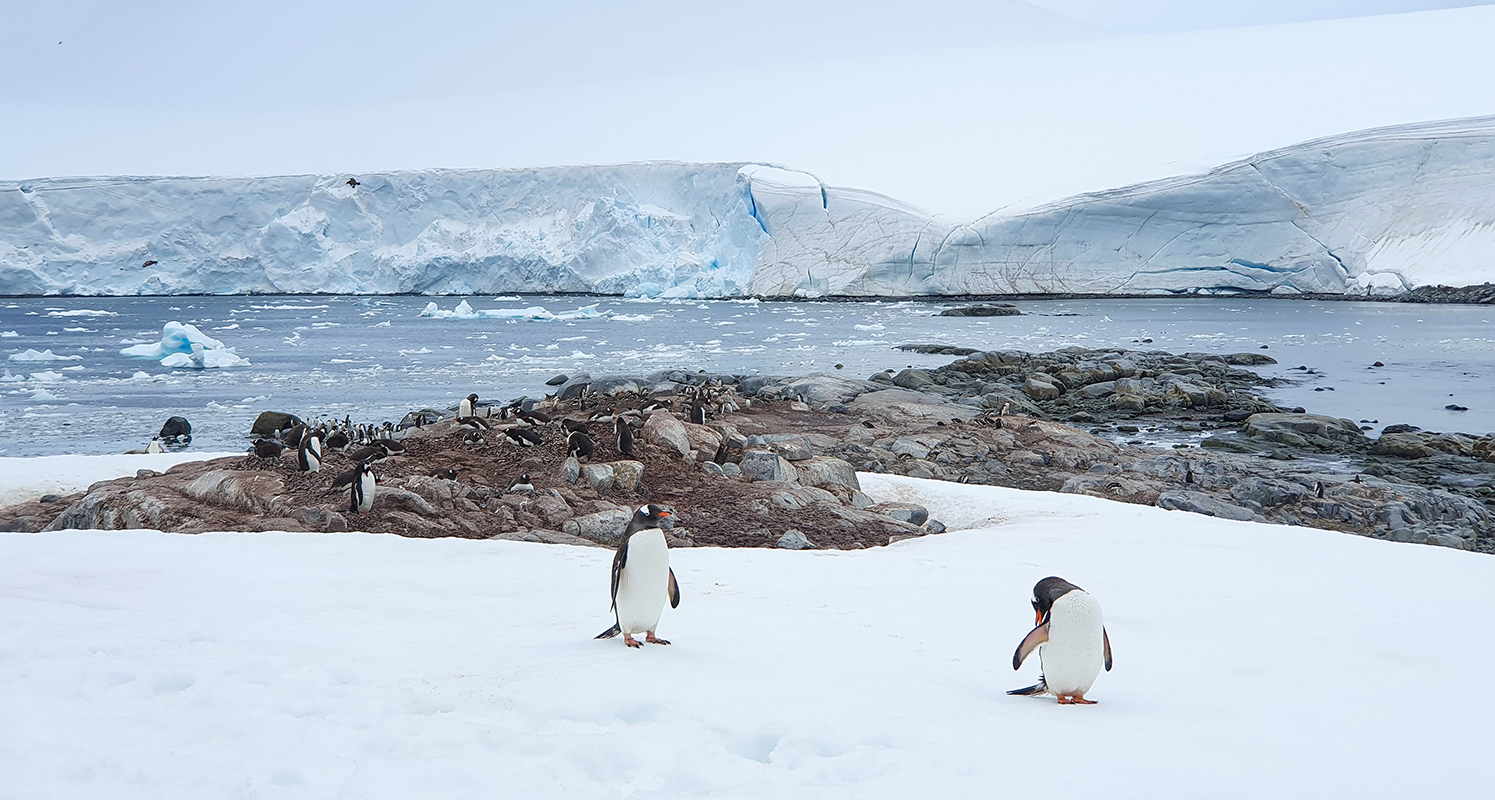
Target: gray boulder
{"type": "Point", "coordinates": [1200, 503]}
{"type": "Point", "coordinates": [911, 513]}
{"type": "Point", "coordinates": [663, 430]}
{"type": "Point", "coordinates": [603, 526]}
{"type": "Point", "coordinates": [794, 540]}
{"type": "Point", "coordinates": [763, 465]}
{"type": "Point", "coordinates": [827, 471]}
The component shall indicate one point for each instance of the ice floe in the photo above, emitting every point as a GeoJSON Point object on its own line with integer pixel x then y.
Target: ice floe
{"type": "Point", "coordinates": [184, 346]}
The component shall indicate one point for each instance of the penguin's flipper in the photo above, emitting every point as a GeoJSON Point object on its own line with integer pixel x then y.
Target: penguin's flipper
{"type": "Point", "coordinates": [1105, 637]}
{"type": "Point", "coordinates": [674, 591]}
{"type": "Point", "coordinates": [609, 633]}
{"type": "Point", "coordinates": [1041, 687]}
{"type": "Point", "coordinates": [620, 560]}
{"type": "Point", "coordinates": [1035, 637]}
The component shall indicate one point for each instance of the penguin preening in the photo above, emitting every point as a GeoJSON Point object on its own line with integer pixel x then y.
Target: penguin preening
{"type": "Point", "coordinates": [1074, 642]}
{"type": "Point", "coordinates": [625, 436]}
{"type": "Point", "coordinates": [468, 406]}
{"type": "Point", "coordinates": [642, 579]}
{"type": "Point", "coordinates": [521, 484]}
{"type": "Point", "coordinates": [579, 445]}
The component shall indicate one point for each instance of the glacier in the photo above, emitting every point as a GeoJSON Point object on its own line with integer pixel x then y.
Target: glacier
{"type": "Point", "coordinates": [1374, 212]}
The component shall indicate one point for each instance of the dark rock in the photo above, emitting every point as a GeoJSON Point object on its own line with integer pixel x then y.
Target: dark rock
{"type": "Point", "coordinates": [269, 423]}
{"type": "Point", "coordinates": [557, 380]}
{"type": "Point", "coordinates": [1456, 407]}
{"type": "Point", "coordinates": [1248, 359]}
{"type": "Point", "coordinates": [175, 427]}
{"type": "Point", "coordinates": [997, 310]}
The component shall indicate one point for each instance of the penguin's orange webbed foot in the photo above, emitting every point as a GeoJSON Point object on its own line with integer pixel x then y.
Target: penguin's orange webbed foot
{"type": "Point", "coordinates": [652, 639]}
{"type": "Point", "coordinates": [1074, 700]}
{"type": "Point", "coordinates": [631, 642]}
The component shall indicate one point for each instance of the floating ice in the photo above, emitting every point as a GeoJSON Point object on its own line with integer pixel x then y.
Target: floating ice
{"type": "Point", "coordinates": [45, 355]}
{"type": "Point", "coordinates": [44, 396]}
{"type": "Point", "coordinates": [464, 310]}
{"type": "Point", "coordinates": [81, 312]}
{"type": "Point", "coordinates": [9, 334]}
{"type": "Point", "coordinates": [184, 346]}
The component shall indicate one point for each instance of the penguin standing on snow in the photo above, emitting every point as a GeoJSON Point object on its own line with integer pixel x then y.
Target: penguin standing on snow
{"type": "Point", "coordinates": [1073, 635]}
{"type": "Point", "coordinates": [625, 436]}
{"type": "Point", "coordinates": [155, 447]}
{"type": "Point", "coordinates": [642, 579]}
{"type": "Point", "coordinates": [309, 453]}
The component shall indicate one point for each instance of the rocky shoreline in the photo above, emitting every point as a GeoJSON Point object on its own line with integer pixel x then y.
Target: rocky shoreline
{"type": "Point", "coordinates": [775, 463]}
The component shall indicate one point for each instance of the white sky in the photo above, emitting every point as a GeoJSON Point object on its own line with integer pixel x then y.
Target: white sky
{"type": "Point", "coordinates": [961, 107]}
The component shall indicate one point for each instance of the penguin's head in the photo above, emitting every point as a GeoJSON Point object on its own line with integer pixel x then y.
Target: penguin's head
{"type": "Point", "coordinates": [1045, 592]}
{"type": "Point", "coordinates": [648, 516]}
{"type": "Point", "coordinates": [473, 397]}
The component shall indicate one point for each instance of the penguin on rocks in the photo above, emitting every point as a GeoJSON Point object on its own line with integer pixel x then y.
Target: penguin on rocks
{"type": "Point", "coordinates": [268, 448]}
{"type": "Point", "coordinates": [522, 437]}
{"type": "Point", "coordinates": [468, 407]}
{"type": "Point", "coordinates": [339, 441]}
{"type": "Point", "coordinates": [293, 436]}
{"type": "Point", "coordinates": [1074, 642]}
{"type": "Point", "coordinates": [361, 489]}
{"type": "Point", "coordinates": [155, 446]}
{"type": "Point", "coordinates": [521, 485]}
{"type": "Point", "coordinates": [625, 436]}
{"type": "Point", "coordinates": [448, 474]}
{"type": "Point", "coordinates": [390, 447]}
{"type": "Point", "coordinates": [473, 423]}
{"type": "Point", "coordinates": [309, 453]}
{"type": "Point", "coordinates": [642, 579]}
{"type": "Point", "coordinates": [696, 413]}
{"type": "Point", "coordinates": [579, 445]}
{"type": "Point", "coordinates": [370, 454]}
{"type": "Point", "coordinates": [531, 418]}
{"type": "Point", "coordinates": [573, 425]}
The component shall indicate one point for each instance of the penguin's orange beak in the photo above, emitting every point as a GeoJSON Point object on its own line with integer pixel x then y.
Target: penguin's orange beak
{"type": "Point", "coordinates": [1037, 617]}
{"type": "Point", "coordinates": [665, 514]}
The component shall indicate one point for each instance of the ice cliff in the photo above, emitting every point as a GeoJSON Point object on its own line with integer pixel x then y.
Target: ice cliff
{"type": "Point", "coordinates": [1376, 211]}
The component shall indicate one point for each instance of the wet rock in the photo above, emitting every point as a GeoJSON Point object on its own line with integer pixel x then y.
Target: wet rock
{"type": "Point", "coordinates": [574, 387]}
{"type": "Point", "coordinates": [269, 423]}
{"type": "Point", "coordinates": [1248, 359]}
{"type": "Point", "coordinates": [1200, 503]}
{"type": "Point", "coordinates": [176, 427]}
{"type": "Point", "coordinates": [557, 380]}
{"type": "Point", "coordinates": [984, 310]}
{"type": "Point", "coordinates": [912, 379]}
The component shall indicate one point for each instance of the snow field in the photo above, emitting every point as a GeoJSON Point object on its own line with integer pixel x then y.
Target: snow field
{"type": "Point", "coordinates": [1251, 661]}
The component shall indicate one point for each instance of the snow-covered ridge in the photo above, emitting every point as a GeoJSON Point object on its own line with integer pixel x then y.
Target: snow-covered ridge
{"type": "Point", "coordinates": [1373, 211]}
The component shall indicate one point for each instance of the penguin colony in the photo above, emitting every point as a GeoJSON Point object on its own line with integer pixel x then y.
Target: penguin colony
{"type": "Point", "coordinates": [1069, 631]}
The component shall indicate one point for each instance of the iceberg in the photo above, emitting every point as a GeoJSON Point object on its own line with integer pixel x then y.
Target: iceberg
{"type": "Point", "coordinates": [45, 355]}
{"type": "Point", "coordinates": [184, 346]}
{"type": "Point", "coordinates": [464, 310]}
{"type": "Point", "coordinates": [1368, 213]}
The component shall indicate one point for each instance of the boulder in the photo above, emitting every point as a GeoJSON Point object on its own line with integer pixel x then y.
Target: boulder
{"type": "Point", "coordinates": [176, 426]}
{"type": "Point", "coordinates": [400, 499]}
{"type": "Point", "coordinates": [909, 446]}
{"type": "Point", "coordinates": [268, 423]}
{"type": "Point", "coordinates": [910, 513]}
{"type": "Point", "coordinates": [598, 476]}
{"type": "Point", "coordinates": [1095, 391]}
{"type": "Point", "coordinates": [983, 310]}
{"type": "Point", "coordinates": [763, 465]}
{"type": "Point", "coordinates": [824, 471]}
{"type": "Point", "coordinates": [1401, 445]}
{"type": "Point", "coordinates": [663, 430]}
{"type": "Point", "coordinates": [1040, 390]}
{"type": "Point", "coordinates": [794, 540]}
{"type": "Point", "coordinates": [1200, 503]}
{"type": "Point", "coordinates": [912, 379]}
{"type": "Point", "coordinates": [703, 440]}
{"type": "Point", "coordinates": [247, 491]}
{"type": "Point", "coordinates": [1305, 429]}
{"type": "Point", "coordinates": [627, 475]}
{"type": "Point", "coordinates": [603, 526]}
{"type": "Point", "coordinates": [558, 380]}
{"type": "Point", "coordinates": [571, 469]}
{"type": "Point", "coordinates": [574, 387]}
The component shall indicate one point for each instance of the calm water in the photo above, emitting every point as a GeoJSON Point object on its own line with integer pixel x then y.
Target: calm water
{"type": "Point", "coordinates": [376, 358]}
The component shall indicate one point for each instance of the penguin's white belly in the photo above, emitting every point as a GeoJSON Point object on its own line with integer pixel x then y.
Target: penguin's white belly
{"type": "Point", "coordinates": [645, 583]}
{"type": "Point", "coordinates": [366, 501]}
{"type": "Point", "coordinates": [1075, 651]}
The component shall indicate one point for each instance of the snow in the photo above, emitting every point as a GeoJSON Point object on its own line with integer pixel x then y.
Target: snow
{"type": "Point", "coordinates": [1374, 211]}
{"type": "Point", "coordinates": [1249, 658]}
{"type": "Point", "coordinates": [464, 310]}
{"type": "Point", "coordinates": [23, 479]}
{"type": "Point", "coordinates": [45, 355]}
{"type": "Point", "coordinates": [183, 345]}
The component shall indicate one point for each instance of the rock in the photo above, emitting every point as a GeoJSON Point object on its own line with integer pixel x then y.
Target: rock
{"type": "Point", "coordinates": [703, 439]}
{"type": "Point", "coordinates": [247, 491]}
{"type": "Point", "coordinates": [142, 474]}
{"type": "Point", "coordinates": [268, 423]}
{"type": "Point", "coordinates": [663, 430]}
{"type": "Point", "coordinates": [598, 476]}
{"type": "Point", "coordinates": [791, 447]}
{"type": "Point", "coordinates": [50, 498]}
{"type": "Point", "coordinates": [910, 447]}
{"type": "Point", "coordinates": [175, 427]}
{"type": "Point", "coordinates": [763, 465]}
{"type": "Point", "coordinates": [912, 379]}
{"type": "Point", "coordinates": [881, 377]}
{"type": "Point", "coordinates": [627, 475]}
{"type": "Point", "coordinates": [731, 470]}
{"type": "Point", "coordinates": [937, 350]}
{"type": "Point", "coordinates": [1455, 407]}
{"type": "Point", "coordinates": [543, 536]}
{"type": "Point", "coordinates": [827, 471]}
{"type": "Point", "coordinates": [1248, 359]}
{"type": "Point", "coordinates": [984, 310]}
{"type": "Point", "coordinates": [797, 498]}
{"type": "Point", "coordinates": [1040, 390]}
{"type": "Point", "coordinates": [794, 540]}
{"type": "Point", "coordinates": [713, 469]}
{"type": "Point", "coordinates": [603, 526]}
{"type": "Point", "coordinates": [1200, 503]}
{"type": "Point", "coordinates": [1305, 430]}
{"type": "Point", "coordinates": [571, 469]}
{"type": "Point", "coordinates": [1096, 391]}
{"type": "Point", "coordinates": [1446, 540]}
{"type": "Point", "coordinates": [1402, 445]}
{"type": "Point", "coordinates": [1128, 402]}
{"type": "Point", "coordinates": [903, 512]}
{"type": "Point", "coordinates": [391, 497]}
{"type": "Point", "coordinates": [557, 380]}
{"type": "Point", "coordinates": [615, 385]}
{"type": "Point", "coordinates": [934, 526]}
{"type": "Point", "coordinates": [574, 387]}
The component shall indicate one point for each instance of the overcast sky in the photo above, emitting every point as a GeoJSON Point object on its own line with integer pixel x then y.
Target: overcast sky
{"type": "Point", "coordinates": [956, 106]}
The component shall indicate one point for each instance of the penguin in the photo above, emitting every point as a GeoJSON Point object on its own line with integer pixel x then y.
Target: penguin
{"type": "Point", "coordinates": [390, 447]}
{"type": "Point", "coordinates": [696, 413]}
{"type": "Point", "coordinates": [268, 448]}
{"type": "Point", "coordinates": [1075, 643]}
{"type": "Point", "coordinates": [155, 447]}
{"type": "Point", "coordinates": [531, 418]}
{"type": "Point", "coordinates": [642, 578]}
{"type": "Point", "coordinates": [472, 437]}
{"type": "Point", "coordinates": [574, 425]}
{"type": "Point", "coordinates": [468, 406]}
{"type": "Point", "coordinates": [337, 440]}
{"type": "Point", "coordinates": [473, 423]}
{"type": "Point", "coordinates": [625, 436]}
{"type": "Point", "coordinates": [1318, 489]}
{"type": "Point", "coordinates": [361, 489]}
{"type": "Point", "coordinates": [522, 437]}
{"type": "Point", "coordinates": [293, 436]}
{"type": "Point", "coordinates": [370, 454]}
{"type": "Point", "coordinates": [579, 444]}
{"type": "Point", "coordinates": [445, 474]}
{"type": "Point", "coordinates": [521, 485]}
{"type": "Point", "coordinates": [309, 453]}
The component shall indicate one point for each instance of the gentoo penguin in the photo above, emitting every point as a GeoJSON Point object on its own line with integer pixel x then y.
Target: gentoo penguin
{"type": "Point", "coordinates": [642, 578]}
{"type": "Point", "coordinates": [573, 425]}
{"type": "Point", "coordinates": [337, 440]}
{"type": "Point", "coordinates": [625, 436]}
{"type": "Point", "coordinates": [579, 444]}
{"type": "Point", "coordinates": [361, 489]}
{"type": "Point", "coordinates": [1073, 638]}
{"type": "Point", "coordinates": [696, 413]}
{"type": "Point", "coordinates": [533, 418]}
{"type": "Point", "coordinates": [522, 437]}
{"type": "Point", "coordinates": [521, 484]}
{"type": "Point", "coordinates": [473, 423]}
{"type": "Point", "coordinates": [268, 448]}
{"type": "Point", "coordinates": [468, 406]}
{"type": "Point", "coordinates": [445, 474]}
{"type": "Point", "coordinates": [309, 453]}
{"type": "Point", "coordinates": [370, 454]}
{"type": "Point", "coordinates": [155, 447]}
{"type": "Point", "coordinates": [293, 436]}
{"type": "Point", "coordinates": [390, 447]}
